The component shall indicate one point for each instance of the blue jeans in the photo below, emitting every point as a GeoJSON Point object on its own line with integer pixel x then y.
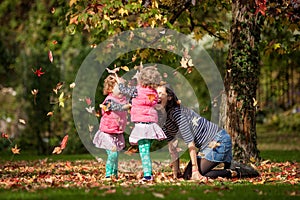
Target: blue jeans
{"type": "Point", "coordinates": [222, 152]}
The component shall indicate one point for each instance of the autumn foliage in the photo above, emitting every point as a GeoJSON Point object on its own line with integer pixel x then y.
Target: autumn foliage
{"type": "Point", "coordinates": [41, 174]}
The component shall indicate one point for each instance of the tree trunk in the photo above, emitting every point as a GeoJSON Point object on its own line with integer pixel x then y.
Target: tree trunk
{"type": "Point", "coordinates": [241, 80]}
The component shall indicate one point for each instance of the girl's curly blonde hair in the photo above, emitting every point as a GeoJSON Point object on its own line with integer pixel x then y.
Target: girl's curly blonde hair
{"type": "Point", "coordinates": [149, 77]}
{"type": "Point", "coordinates": [109, 84]}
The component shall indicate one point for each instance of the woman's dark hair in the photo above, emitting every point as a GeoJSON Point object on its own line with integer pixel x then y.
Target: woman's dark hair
{"type": "Point", "coordinates": [173, 102]}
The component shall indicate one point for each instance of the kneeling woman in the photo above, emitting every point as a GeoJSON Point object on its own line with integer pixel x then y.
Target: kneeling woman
{"type": "Point", "coordinates": [213, 143]}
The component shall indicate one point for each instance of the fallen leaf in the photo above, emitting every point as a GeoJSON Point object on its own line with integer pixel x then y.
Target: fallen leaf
{"type": "Point", "coordinates": [158, 195]}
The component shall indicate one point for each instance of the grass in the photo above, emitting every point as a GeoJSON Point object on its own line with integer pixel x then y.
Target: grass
{"type": "Point", "coordinates": [187, 191]}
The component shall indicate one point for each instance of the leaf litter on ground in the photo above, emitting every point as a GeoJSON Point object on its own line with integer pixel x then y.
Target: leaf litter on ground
{"type": "Point", "coordinates": [42, 174]}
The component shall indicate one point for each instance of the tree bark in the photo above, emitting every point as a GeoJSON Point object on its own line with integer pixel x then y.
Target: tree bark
{"type": "Point", "coordinates": [241, 80]}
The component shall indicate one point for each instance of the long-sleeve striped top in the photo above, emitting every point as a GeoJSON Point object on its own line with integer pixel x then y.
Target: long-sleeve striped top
{"type": "Point", "coordinates": [190, 126]}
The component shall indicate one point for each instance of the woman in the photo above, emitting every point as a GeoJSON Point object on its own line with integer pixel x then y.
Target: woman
{"type": "Point", "coordinates": [198, 133]}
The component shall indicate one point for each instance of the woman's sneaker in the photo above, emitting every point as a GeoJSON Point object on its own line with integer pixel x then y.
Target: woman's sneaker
{"type": "Point", "coordinates": [243, 170]}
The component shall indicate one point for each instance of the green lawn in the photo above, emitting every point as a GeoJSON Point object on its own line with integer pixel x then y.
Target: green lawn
{"type": "Point", "coordinates": [188, 192]}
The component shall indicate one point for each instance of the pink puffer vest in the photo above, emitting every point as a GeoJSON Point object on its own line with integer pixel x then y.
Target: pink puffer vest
{"type": "Point", "coordinates": [113, 122]}
{"type": "Point", "coordinates": [142, 109]}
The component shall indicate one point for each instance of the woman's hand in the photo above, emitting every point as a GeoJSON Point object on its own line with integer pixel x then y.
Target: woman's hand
{"type": "Point", "coordinates": [197, 176]}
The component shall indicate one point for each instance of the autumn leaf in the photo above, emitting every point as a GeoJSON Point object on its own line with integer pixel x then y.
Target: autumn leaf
{"type": "Point", "coordinates": [151, 97]}
{"type": "Point", "coordinates": [105, 107]}
{"type": "Point", "coordinates": [4, 135]}
{"type": "Point", "coordinates": [64, 141]}
{"type": "Point", "coordinates": [34, 92]}
{"type": "Point", "coordinates": [57, 150]}
{"type": "Point", "coordinates": [54, 42]}
{"type": "Point", "coordinates": [88, 101]}
{"type": "Point", "coordinates": [38, 72]}
{"type": "Point", "coordinates": [122, 11]}
{"type": "Point", "coordinates": [125, 68]}
{"type": "Point", "coordinates": [130, 151]}
{"type": "Point", "coordinates": [61, 100]}
{"type": "Point", "coordinates": [72, 85]}
{"type": "Point", "coordinates": [57, 87]}
{"type": "Point", "coordinates": [50, 113]}
{"type": "Point", "coordinates": [113, 71]}
{"type": "Point", "coordinates": [50, 56]}
{"type": "Point", "coordinates": [15, 150]}
{"type": "Point", "coordinates": [22, 121]}
{"type": "Point", "coordinates": [90, 109]}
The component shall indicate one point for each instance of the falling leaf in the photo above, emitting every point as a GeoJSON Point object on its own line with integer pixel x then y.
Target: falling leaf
{"type": "Point", "coordinates": [50, 113]}
{"type": "Point", "coordinates": [90, 109]}
{"type": "Point", "coordinates": [183, 63]}
{"type": "Point", "coordinates": [105, 107]}
{"type": "Point", "coordinates": [276, 46]}
{"type": "Point", "coordinates": [88, 101]}
{"type": "Point", "coordinates": [15, 150]}
{"type": "Point", "coordinates": [93, 46]}
{"type": "Point", "coordinates": [134, 57]}
{"type": "Point", "coordinates": [38, 72]}
{"type": "Point", "coordinates": [52, 10]}
{"type": "Point", "coordinates": [72, 85]}
{"type": "Point", "coordinates": [151, 97]}
{"type": "Point", "coordinates": [57, 87]}
{"type": "Point", "coordinates": [113, 71]}
{"type": "Point", "coordinates": [98, 113]}
{"type": "Point", "coordinates": [61, 100]}
{"type": "Point", "coordinates": [22, 121]}
{"type": "Point", "coordinates": [57, 150]}
{"type": "Point", "coordinates": [254, 102]}
{"type": "Point", "coordinates": [34, 92]}
{"type": "Point", "coordinates": [91, 128]}
{"type": "Point", "coordinates": [125, 68]}
{"type": "Point", "coordinates": [64, 141]}
{"type": "Point", "coordinates": [50, 56]}
{"type": "Point", "coordinates": [4, 135]}
{"type": "Point", "coordinates": [130, 151]}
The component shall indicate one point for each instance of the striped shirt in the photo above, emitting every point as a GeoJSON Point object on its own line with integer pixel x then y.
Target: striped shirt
{"type": "Point", "coordinates": [190, 126]}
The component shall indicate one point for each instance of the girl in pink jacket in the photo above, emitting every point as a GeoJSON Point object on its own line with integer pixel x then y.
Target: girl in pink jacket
{"type": "Point", "coordinates": [112, 125]}
{"type": "Point", "coordinates": [144, 115]}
